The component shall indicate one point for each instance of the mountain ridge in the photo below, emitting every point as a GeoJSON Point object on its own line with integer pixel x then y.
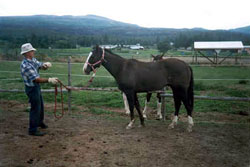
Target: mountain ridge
{"type": "Point", "coordinates": [113, 22]}
{"type": "Point", "coordinates": [91, 29]}
{"type": "Point", "coordinates": [92, 21]}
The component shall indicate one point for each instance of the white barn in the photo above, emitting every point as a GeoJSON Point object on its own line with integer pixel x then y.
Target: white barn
{"type": "Point", "coordinates": [216, 47]}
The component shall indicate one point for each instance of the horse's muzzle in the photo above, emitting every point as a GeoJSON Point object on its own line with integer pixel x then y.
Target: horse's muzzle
{"type": "Point", "coordinates": [86, 69]}
{"type": "Point", "coordinates": [86, 72]}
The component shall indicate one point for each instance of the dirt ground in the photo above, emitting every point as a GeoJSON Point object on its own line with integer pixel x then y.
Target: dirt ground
{"type": "Point", "coordinates": [84, 139]}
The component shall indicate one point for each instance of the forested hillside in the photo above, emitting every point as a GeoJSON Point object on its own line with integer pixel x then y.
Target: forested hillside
{"type": "Point", "coordinates": [68, 31]}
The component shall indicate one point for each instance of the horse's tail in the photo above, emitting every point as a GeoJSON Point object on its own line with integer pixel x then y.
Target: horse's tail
{"type": "Point", "coordinates": [191, 90]}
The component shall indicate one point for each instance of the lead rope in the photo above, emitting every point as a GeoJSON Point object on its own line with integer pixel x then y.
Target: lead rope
{"type": "Point", "coordinates": [68, 88]}
{"type": "Point", "coordinates": [72, 88]}
{"type": "Point", "coordinates": [56, 92]}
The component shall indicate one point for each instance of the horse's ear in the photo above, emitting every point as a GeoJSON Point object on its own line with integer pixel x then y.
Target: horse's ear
{"type": "Point", "coordinates": [153, 56]}
{"type": "Point", "coordinates": [162, 55]}
{"type": "Point", "coordinates": [97, 47]}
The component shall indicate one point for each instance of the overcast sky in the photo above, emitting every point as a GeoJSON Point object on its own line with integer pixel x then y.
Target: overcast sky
{"type": "Point", "coordinates": [209, 14]}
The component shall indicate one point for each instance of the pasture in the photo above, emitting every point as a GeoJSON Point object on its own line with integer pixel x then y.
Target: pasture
{"type": "Point", "coordinates": [94, 133]}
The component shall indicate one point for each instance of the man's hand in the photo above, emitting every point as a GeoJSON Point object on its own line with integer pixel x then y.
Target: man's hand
{"type": "Point", "coordinates": [53, 80]}
{"type": "Point", "coordinates": [46, 65]}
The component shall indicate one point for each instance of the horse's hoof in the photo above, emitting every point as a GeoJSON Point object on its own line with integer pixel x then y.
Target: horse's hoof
{"type": "Point", "coordinates": [129, 127]}
{"type": "Point", "coordinates": [189, 129]}
{"type": "Point", "coordinates": [158, 118]}
{"type": "Point", "coordinates": [171, 126]}
{"type": "Point", "coordinates": [141, 126]}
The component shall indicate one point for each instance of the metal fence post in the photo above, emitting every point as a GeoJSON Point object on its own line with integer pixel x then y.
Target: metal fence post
{"type": "Point", "coordinates": [69, 84]}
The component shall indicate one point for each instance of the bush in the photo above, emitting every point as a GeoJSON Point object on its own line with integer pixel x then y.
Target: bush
{"type": "Point", "coordinates": [243, 82]}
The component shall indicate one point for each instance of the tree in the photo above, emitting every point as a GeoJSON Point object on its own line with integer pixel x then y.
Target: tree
{"type": "Point", "coordinates": [164, 46]}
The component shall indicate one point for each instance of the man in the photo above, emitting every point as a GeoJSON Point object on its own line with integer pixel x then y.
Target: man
{"type": "Point", "coordinates": [30, 74]}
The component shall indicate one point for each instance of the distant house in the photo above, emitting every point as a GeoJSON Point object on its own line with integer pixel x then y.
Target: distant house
{"type": "Point", "coordinates": [182, 48]}
{"type": "Point", "coordinates": [133, 47]}
{"type": "Point", "coordinates": [136, 47]}
{"type": "Point", "coordinates": [109, 46]}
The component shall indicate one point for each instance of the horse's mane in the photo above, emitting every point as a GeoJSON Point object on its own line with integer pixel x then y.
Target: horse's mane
{"type": "Point", "coordinates": [131, 60]}
{"type": "Point", "coordinates": [110, 52]}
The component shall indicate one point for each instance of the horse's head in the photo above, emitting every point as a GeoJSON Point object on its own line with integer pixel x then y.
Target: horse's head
{"type": "Point", "coordinates": [94, 60]}
{"type": "Point", "coordinates": [157, 57]}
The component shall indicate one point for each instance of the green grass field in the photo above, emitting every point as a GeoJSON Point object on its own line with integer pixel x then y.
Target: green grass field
{"type": "Point", "coordinates": [238, 84]}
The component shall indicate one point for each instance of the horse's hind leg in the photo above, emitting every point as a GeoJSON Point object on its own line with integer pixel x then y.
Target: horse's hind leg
{"type": "Point", "coordinates": [137, 106]}
{"type": "Point", "coordinates": [189, 109]}
{"type": "Point", "coordinates": [177, 104]}
{"type": "Point", "coordinates": [131, 102]}
{"type": "Point", "coordinates": [159, 115]}
{"type": "Point", "coordinates": [188, 105]}
{"type": "Point", "coordinates": [144, 112]}
{"type": "Point", "coordinates": [190, 123]}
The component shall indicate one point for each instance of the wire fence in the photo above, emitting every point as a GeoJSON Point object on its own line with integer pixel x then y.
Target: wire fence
{"type": "Point", "coordinates": [102, 76]}
{"type": "Point", "coordinates": [70, 75]}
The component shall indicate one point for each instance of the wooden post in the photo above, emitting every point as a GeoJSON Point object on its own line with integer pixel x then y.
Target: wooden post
{"type": "Point", "coordinates": [193, 54]}
{"type": "Point", "coordinates": [216, 58]}
{"type": "Point", "coordinates": [240, 58]}
{"type": "Point", "coordinates": [215, 55]}
{"type": "Point", "coordinates": [236, 57]}
{"type": "Point", "coordinates": [217, 52]}
{"type": "Point", "coordinates": [196, 59]}
{"type": "Point", "coordinates": [69, 84]}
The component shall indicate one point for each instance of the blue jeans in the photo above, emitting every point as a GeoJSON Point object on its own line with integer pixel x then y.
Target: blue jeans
{"type": "Point", "coordinates": [36, 115]}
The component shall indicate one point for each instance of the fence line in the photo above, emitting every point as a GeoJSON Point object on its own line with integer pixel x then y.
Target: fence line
{"type": "Point", "coordinates": [103, 76]}
{"type": "Point", "coordinates": [117, 90]}
{"type": "Point", "coordinates": [75, 75]}
{"type": "Point", "coordinates": [11, 79]}
{"type": "Point", "coordinates": [112, 89]}
{"type": "Point", "coordinates": [51, 62]}
{"type": "Point", "coordinates": [64, 90]}
{"type": "Point", "coordinates": [192, 65]}
{"type": "Point", "coordinates": [108, 89]}
{"type": "Point", "coordinates": [23, 91]}
{"type": "Point", "coordinates": [213, 98]}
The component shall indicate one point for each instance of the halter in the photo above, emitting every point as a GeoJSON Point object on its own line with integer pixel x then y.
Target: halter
{"type": "Point", "coordinates": [98, 62]}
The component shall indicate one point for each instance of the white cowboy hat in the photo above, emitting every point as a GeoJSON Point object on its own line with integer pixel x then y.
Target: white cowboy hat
{"type": "Point", "coordinates": [26, 48]}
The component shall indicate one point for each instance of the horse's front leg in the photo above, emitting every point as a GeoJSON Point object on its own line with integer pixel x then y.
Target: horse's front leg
{"type": "Point", "coordinates": [137, 106]}
{"type": "Point", "coordinates": [125, 100]}
{"type": "Point", "coordinates": [131, 102]}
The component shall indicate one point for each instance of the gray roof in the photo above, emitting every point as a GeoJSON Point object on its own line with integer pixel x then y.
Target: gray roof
{"type": "Point", "coordinates": [218, 45]}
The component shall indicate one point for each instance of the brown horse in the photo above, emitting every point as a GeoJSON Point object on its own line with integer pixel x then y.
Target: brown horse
{"type": "Point", "coordinates": [148, 96]}
{"type": "Point", "coordinates": [133, 76]}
